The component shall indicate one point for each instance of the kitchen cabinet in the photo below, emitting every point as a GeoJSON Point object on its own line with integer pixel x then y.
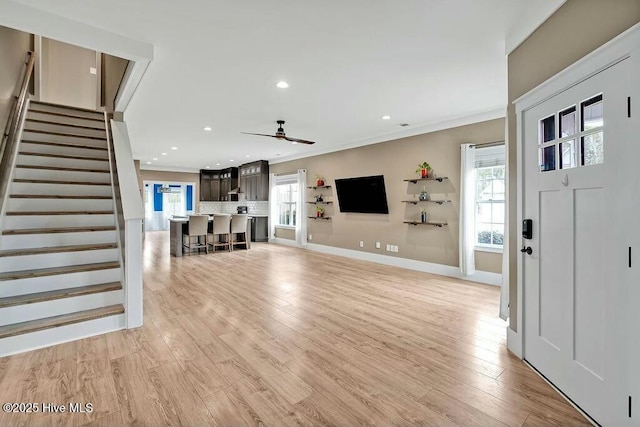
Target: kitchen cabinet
{"type": "Point", "coordinates": [254, 180]}
{"type": "Point", "coordinates": [259, 229]}
{"type": "Point", "coordinates": [228, 182]}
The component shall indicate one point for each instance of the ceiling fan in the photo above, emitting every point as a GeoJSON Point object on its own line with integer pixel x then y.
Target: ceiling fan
{"type": "Point", "coordinates": [281, 135]}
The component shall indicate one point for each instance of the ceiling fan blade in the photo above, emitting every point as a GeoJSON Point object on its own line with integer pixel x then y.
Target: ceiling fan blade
{"type": "Point", "coordinates": [301, 141]}
{"type": "Point", "coordinates": [261, 134]}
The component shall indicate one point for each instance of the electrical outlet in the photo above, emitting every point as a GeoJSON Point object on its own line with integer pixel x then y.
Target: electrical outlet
{"type": "Point", "coordinates": [388, 248]}
{"type": "Point", "coordinates": [361, 244]}
{"type": "Point", "coordinates": [93, 70]}
{"type": "Point", "coordinates": [310, 236]}
{"type": "Point", "coordinates": [395, 248]}
{"type": "Point", "coordinates": [377, 245]}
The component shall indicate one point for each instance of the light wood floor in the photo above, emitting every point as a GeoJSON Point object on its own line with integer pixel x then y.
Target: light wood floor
{"type": "Point", "coordinates": [279, 336]}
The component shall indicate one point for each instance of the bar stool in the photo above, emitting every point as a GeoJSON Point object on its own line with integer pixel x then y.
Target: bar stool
{"type": "Point", "coordinates": [197, 228]}
{"type": "Point", "coordinates": [239, 226]}
{"type": "Point", "coordinates": [221, 228]}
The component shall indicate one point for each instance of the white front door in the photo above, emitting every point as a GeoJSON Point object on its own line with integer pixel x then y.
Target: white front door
{"type": "Point", "coordinates": [575, 155]}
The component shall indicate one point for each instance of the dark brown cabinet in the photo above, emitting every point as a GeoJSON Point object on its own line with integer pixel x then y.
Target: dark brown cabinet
{"type": "Point", "coordinates": [215, 185]}
{"type": "Point", "coordinates": [254, 180]}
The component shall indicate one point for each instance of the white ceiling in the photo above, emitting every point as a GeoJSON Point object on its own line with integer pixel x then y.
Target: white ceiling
{"type": "Point", "coordinates": [428, 63]}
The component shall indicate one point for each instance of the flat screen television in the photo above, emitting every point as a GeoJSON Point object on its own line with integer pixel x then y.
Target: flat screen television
{"type": "Point", "coordinates": [363, 195]}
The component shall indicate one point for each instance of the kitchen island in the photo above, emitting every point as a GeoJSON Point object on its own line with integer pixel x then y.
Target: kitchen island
{"type": "Point", "coordinates": [179, 226]}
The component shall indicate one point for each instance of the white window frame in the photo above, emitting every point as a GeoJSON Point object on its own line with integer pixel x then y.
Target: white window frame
{"type": "Point", "coordinates": [291, 203]}
{"type": "Point", "coordinates": [496, 158]}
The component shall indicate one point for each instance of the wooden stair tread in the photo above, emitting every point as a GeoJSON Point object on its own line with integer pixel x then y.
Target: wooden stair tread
{"type": "Point", "coordinates": [75, 116]}
{"type": "Point", "coordinates": [68, 107]}
{"type": "Point", "coordinates": [62, 144]}
{"type": "Point", "coordinates": [70, 135]}
{"type": "Point", "coordinates": [57, 196]}
{"type": "Point", "coordinates": [56, 168]}
{"type": "Point", "coordinates": [53, 271]}
{"type": "Point", "coordinates": [53, 181]}
{"type": "Point", "coordinates": [73, 125]}
{"type": "Point", "coordinates": [59, 294]}
{"type": "Point", "coordinates": [62, 156]}
{"type": "Point", "coordinates": [57, 249]}
{"type": "Point", "coordinates": [56, 230]}
{"type": "Point", "coordinates": [62, 320]}
{"type": "Point", "coordinates": [45, 213]}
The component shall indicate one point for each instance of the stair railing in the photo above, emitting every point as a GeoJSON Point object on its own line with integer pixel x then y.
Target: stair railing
{"type": "Point", "coordinates": [13, 130]}
{"type": "Point", "coordinates": [129, 212]}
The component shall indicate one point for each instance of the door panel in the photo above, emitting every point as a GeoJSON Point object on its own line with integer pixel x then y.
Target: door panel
{"type": "Point", "coordinates": [574, 305]}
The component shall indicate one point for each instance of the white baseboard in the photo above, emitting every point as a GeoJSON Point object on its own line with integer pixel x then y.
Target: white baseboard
{"type": "Point", "coordinates": [48, 337]}
{"type": "Point", "coordinates": [484, 277]}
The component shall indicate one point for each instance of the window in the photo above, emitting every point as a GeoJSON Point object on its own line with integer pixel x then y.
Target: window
{"type": "Point", "coordinates": [490, 196]}
{"type": "Point", "coordinates": [286, 196]}
{"type": "Point", "coordinates": [579, 141]}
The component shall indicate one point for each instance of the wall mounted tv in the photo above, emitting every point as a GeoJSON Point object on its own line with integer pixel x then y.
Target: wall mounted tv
{"type": "Point", "coordinates": [363, 195]}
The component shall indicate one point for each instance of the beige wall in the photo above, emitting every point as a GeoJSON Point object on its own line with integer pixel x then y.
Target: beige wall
{"type": "Point", "coordinates": [577, 28]}
{"type": "Point", "coordinates": [14, 46]}
{"type": "Point", "coordinates": [285, 233]}
{"type": "Point", "coordinates": [397, 160]}
{"type": "Point", "coordinates": [113, 69]}
{"type": "Point", "coordinates": [164, 176]}
{"type": "Point", "coordinates": [65, 75]}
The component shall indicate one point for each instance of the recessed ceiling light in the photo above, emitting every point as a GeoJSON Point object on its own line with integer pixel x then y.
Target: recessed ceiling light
{"type": "Point", "coordinates": [386, 117]}
{"type": "Point", "coordinates": [155, 158]}
{"type": "Point", "coordinates": [207, 167]}
{"type": "Point", "coordinates": [174, 148]}
{"type": "Point", "coordinates": [217, 164]}
{"type": "Point", "coordinates": [282, 84]}
{"type": "Point", "coordinates": [294, 142]}
{"type": "Point", "coordinates": [148, 163]}
{"type": "Point", "coordinates": [231, 161]}
{"type": "Point", "coordinates": [164, 154]}
{"type": "Point", "coordinates": [207, 128]}
{"type": "Point", "coordinates": [248, 155]}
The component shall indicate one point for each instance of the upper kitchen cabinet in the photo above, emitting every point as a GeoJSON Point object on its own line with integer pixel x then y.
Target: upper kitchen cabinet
{"type": "Point", "coordinates": [228, 182]}
{"type": "Point", "coordinates": [209, 185]}
{"type": "Point", "coordinates": [254, 180]}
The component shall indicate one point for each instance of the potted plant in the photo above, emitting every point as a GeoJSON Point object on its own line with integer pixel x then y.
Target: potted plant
{"type": "Point", "coordinates": [319, 181]}
{"type": "Point", "coordinates": [423, 169]}
{"type": "Point", "coordinates": [319, 212]}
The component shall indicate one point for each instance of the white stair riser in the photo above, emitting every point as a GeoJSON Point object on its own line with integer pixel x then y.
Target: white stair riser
{"type": "Point", "coordinates": [63, 110]}
{"type": "Point", "coordinates": [61, 128]}
{"type": "Point", "coordinates": [48, 337]}
{"type": "Point", "coordinates": [36, 136]}
{"type": "Point", "coordinates": [62, 281]}
{"type": "Point", "coordinates": [25, 241]}
{"type": "Point", "coordinates": [59, 259]}
{"type": "Point", "coordinates": [59, 204]}
{"type": "Point", "coordinates": [66, 120]}
{"type": "Point", "coordinates": [13, 222]}
{"type": "Point", "coordinates": [28, 173]}
{"type": "Point", "coordinates": [68, 151]}
{"type": "Point", "coordinates": [63, 163]}
{"type": "Point", "coordinates": [25, 313]}
{"type": "Point", "coordinates": [62, 189]}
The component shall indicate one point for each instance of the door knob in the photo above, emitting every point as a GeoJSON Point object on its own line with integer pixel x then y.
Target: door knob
{"type": "Point", "coordinates": [527, 249]}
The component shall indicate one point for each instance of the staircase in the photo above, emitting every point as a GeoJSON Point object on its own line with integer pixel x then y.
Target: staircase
{"type": "Point", "coordinates": [59, 261]}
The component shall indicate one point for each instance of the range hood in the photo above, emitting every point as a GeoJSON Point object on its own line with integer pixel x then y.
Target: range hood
{"type": "Point", "coordinates": [235, 191]}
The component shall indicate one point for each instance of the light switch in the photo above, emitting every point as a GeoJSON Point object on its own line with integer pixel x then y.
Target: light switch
{"type": "Point", "coordinates": [93, 70]}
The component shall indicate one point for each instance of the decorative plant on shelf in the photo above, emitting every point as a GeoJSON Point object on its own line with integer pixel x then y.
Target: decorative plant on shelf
{"type": "Point", "coordinates": [319, 181]}
{"type": "Point", "coordinates": [319, 212]}
{"type": "Point", "coordinates": [423, 169]}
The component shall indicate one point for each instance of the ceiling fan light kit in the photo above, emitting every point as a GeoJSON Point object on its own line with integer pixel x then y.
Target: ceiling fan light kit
{"type": "Point", "coordinates": [280, 134]}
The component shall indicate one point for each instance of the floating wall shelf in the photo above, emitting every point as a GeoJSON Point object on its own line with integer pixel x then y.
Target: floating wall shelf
{"type": "Point", "coordinates": [415, 180]}
{"type": "Point", "coordinates": [432, 223]}
{"type": "Point", "coordinates": [320, 187]}
{"type": "Point", "coordinates": [319, 203]}
{"type": "Point", "coordinates": [415, 202]}
{"type": "Point", "coordinates": [319, 217]}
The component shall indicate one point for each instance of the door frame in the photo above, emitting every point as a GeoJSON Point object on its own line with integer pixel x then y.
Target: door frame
{"type": "Point", "coordinates": [625, 45]}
